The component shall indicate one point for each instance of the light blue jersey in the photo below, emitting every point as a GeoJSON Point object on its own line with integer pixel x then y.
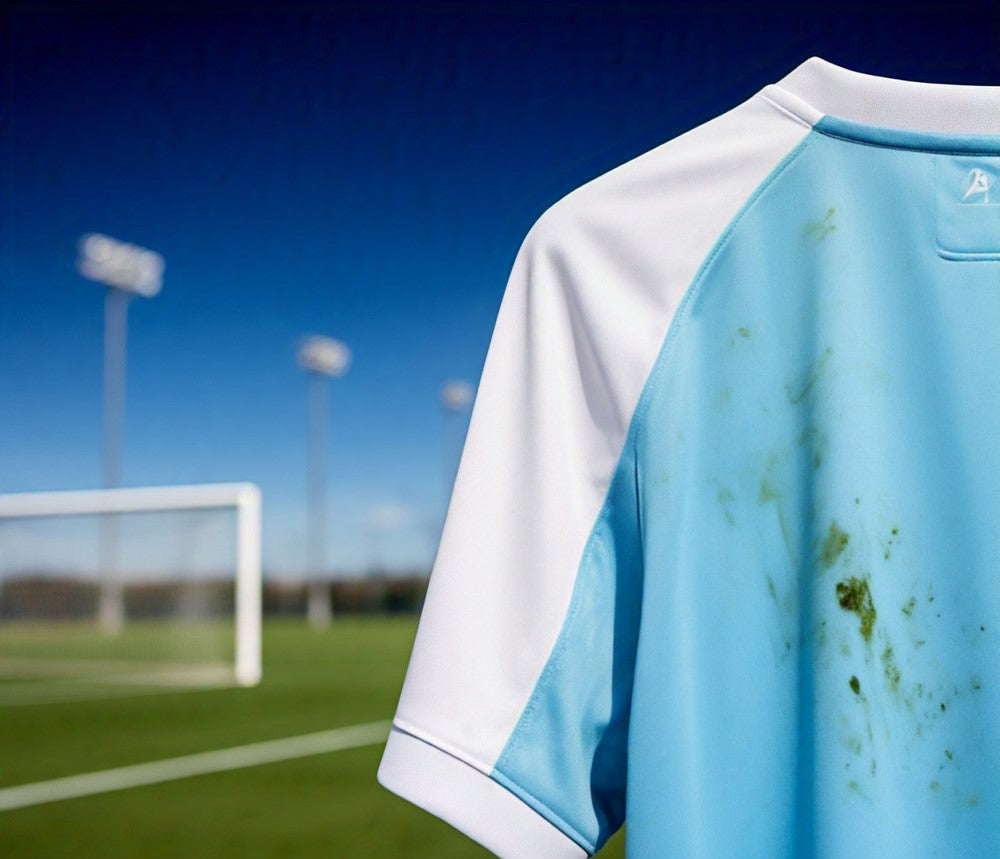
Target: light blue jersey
{"type": "Point", "coordinates": [722, 560]}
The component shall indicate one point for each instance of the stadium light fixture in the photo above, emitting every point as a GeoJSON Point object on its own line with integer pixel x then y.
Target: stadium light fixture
{"type": "Point", "coordinates": [456, 395]}
{"type": "Point", "coordinates": [126, 270]}
{"type": "Point", "coordinates": [120, 264]}
{"type": "Point", "coordinates": [322, 358]}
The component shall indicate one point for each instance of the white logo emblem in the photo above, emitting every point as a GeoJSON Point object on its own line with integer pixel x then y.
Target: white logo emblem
{"type": "Point", "coordinates": [976, 183]}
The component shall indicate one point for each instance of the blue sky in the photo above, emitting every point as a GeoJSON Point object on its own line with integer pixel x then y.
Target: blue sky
{"type": "Point", "coordinates": [368, 177]}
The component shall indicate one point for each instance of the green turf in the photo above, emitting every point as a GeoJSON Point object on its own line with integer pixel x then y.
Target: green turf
{"type": "Point", "coordinates": [326, 805]}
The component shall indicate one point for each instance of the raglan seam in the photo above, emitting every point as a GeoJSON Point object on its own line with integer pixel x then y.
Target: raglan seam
{"type": "Point", "coordinates": [701, 276]}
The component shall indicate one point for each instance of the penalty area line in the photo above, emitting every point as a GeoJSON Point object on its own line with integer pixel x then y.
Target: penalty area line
{"type": "Point", "coordinates": [201, 763]}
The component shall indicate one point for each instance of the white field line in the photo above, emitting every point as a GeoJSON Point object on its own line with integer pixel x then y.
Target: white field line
{"type": "Point", "coordinates": [203, 763]}
{"type": "Point", "coordinates": [129, 678]}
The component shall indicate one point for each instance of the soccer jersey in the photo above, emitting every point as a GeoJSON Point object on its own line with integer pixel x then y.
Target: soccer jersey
{"type": "Point", "coordinates": [722, 558]}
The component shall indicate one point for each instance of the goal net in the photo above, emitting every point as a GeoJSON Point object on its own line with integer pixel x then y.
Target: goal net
{"type": "Point", "coordinates": [114, 591]}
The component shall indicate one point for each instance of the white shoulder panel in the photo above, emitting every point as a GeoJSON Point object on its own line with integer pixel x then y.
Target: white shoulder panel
{"type": "Point", "coordinates": [590, 297]}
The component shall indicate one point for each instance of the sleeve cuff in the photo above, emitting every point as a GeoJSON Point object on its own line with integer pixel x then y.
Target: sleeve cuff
{"type": "Point", "coordinates": [470, 801]}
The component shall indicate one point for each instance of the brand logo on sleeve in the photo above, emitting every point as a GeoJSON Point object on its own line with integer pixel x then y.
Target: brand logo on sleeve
{"type": "Point", "coordinates": [977, 186]}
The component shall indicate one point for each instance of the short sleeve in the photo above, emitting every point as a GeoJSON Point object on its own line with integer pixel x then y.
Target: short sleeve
{"type": "Point", "coordinates": [513, 719]}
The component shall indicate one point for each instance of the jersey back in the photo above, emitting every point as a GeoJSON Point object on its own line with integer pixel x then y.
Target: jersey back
{"type": "Point", "coordinates": [721, 560]}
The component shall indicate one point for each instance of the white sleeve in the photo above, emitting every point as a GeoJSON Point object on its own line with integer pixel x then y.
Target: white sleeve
{"type": "Point", "coordinates": [546, 435]}
{"type": "Point", "coordinates": [512, 724]}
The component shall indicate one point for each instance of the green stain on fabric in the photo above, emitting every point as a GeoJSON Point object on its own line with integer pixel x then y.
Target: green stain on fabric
{"type": "Point", "coordinates": [818, 230]}
{"type": "Point", "coordinates": [796, 393]}
{"type": "Point", "coordinates": [834, 544]}
{"type": "Point", "coordinates": [854, 596]}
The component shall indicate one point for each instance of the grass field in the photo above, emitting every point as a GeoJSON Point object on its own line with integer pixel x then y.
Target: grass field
{"type": "Point", "coordinates": [322, 805]}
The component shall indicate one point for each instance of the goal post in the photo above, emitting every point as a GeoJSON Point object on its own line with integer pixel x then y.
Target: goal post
{"type": "Point", "coordinates": [244, 498]}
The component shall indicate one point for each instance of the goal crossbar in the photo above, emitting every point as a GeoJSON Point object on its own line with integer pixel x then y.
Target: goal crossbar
{"type": "Point", "coordinates": [244, 497]}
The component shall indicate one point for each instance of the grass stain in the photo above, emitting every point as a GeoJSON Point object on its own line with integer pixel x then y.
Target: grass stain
{"type": "Point", "coordinates": [890, 670]}
{"type": "Point", "coordinates": [796, 397]}
{"type": "Point", "coordinates": [949, 755]}
{"type": "Point", "coordinates": [819, 633]}
{"type": "Point", "coordinates": [820, 229]}
{"type": "Point", "coordinates": [853, 595]}
{"type": "Point", "coordinates": [834, 544]}
{"type": "Point", "coordinates": [911, 604]}
{"type": "Point", "coordinates": [817, 441]}
{"type": "Point", "coordinates": [725, 497]}
{"type": "Point", "coordinates": [855, 685]}
{"type": "Point", "coordinates": [743, 331]}
{"type": "Point", "coordinates": [767, 492]}
{"type": "Point", "coordinates": [888, 545]}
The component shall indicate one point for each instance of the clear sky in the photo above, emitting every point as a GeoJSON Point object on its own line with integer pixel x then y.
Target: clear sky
{"type": "Point", "coordinates": [364, 176]}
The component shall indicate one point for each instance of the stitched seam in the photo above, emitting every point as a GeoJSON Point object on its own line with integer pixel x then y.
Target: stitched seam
{"type": "Point", "coordinates": [972, 150]}
{"type": "Point", "coordinates": [557, 821]}
{"type": "Point", "coordinates": [700, 277]}
{"type": "Point", "coordinates": [967, 256]}
{"type": "Point", "coordinates": [447, 748]}
{"type": "Point", "coordinates": [789, 113]}
{"type": "Point", "coordinates": [487, 772]}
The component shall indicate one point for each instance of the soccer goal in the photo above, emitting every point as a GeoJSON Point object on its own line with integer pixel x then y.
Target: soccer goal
{"type": "Point", "coordinates": [129, 589]}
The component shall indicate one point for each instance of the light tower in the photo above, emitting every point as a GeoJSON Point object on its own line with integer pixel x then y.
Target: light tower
{"type": "Point", "coordinates": [126, 270]}
{"type": "Point", "coordinates": [322, 358]}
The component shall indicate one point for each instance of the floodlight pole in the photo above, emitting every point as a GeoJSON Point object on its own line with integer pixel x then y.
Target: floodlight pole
{"type": "Point", "coordinates": [125, 270]}
{"type": "Point", "coordinates": [319, 607]}
{"type": "Point", "coordinates": [111, 607]}
{"type": "Point", "coordinates": [322, 358]}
